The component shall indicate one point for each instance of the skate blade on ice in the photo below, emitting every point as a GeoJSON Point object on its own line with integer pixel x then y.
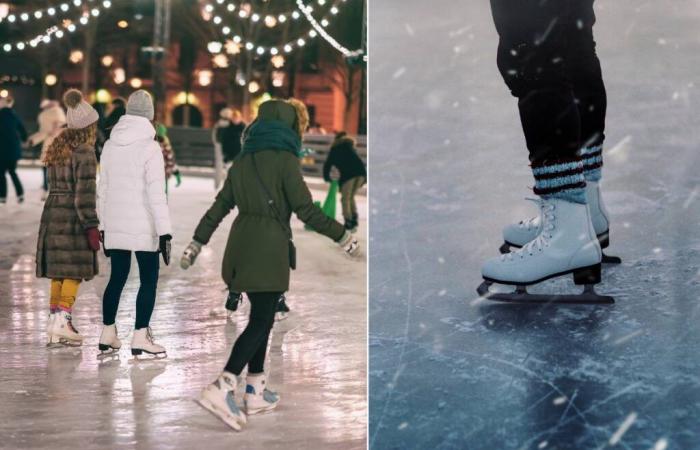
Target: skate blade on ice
{"type": "Point", "coordinates": [230, 420]}
{"type": "Point", "coordinates": [107, 352]}
{"type": "Point", "coordinates": [607, 259]}
{"type": "Point", "coordinates": [520, 295]}
{"type": "Point", "coordinates": [143, 355]}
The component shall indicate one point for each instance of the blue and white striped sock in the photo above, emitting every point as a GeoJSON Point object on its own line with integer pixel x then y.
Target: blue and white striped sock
{"type": "Point", "coordinates": [592, 158]}
{"type": "Point", "coordinates": [560, 179]}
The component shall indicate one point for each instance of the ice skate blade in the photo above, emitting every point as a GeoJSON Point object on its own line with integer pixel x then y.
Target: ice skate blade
{"type": "Point", "coordinates": [611, 259]}
{"type": "Point", "coordinates": [280, 316]}
{"type": "Point", "coordinates": [228, 419]}
{"type": "Point", "coordinates": [68, 343]}
{"type": "Point", "coordinates": [264, 410]}
{"type": "Point", "coordinates": [110, 352]}
{"type": "Point", "coordinates": [520, 295]}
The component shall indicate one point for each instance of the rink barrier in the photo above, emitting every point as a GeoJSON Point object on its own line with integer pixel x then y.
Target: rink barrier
{"type": "Point", "coordinates": [194, 149]}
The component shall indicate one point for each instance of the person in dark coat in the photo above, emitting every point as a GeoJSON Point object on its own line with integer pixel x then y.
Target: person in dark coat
{"type": "Point", "coordinates": [266, 185]}
{"type": "Point", "coordinates": [118, 109]}
{"type": "Point", "coordinates": [231, 136]}
{"type": "Point", "coordinates": [68, 237]}
{"type": "Point", "coordinates": [12, 135]}
{"type": "Point", "coordinates": [353, 174]}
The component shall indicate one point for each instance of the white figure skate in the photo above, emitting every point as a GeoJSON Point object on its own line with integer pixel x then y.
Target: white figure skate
{"type": "Point", "coordinates": [566, 244]}
{"type": "Point", "coordinates": [109, 341]}
{"type": "Point", "coordinates": [52, 340]}
{"type": "Point", "coordinates": [144, 347]}
{"type": "Point", "coordinates": [63, 330]}
{"type": "Point", "coordinates": [219, 399]}
{"type": "Point", "coordinates": [258, 399]}
{"type": "Point", "coordinates": [519, 234]}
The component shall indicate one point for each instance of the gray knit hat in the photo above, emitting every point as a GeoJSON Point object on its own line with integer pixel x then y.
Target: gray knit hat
{"type": "Point", "coordinates": [79, 112]}
{"type": "Point", "coordinates": [140, 104]}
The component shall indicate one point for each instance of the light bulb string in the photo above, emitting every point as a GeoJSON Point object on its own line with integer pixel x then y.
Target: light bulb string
{"type": "Point", "coordinates": [48, 12]}
{"type": "Point", "coordinates": [322, 31]}
{"type": "Point", "coordinates": [290, 45]}
{"type": "Point", "coordinates": [58, 30]}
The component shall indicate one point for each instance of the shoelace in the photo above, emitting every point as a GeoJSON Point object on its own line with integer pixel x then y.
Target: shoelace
{"type": "Point", "coordinates": [542, 240]}
{"type": "Point", "coordinates": [530, 223]}
{"type": "Point", "coordinates": [149, 335]}
{"type": "Point", "coordinates": [69, 319]}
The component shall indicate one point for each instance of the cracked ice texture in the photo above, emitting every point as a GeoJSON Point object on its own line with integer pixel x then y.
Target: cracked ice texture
{"type": "Point", "coordinates": [449, 170]}
{"type": "Point", "coordinates": [64, 399]}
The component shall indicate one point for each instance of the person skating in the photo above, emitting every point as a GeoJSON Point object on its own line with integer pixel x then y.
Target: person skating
{"type": "Point", "coordinates": [230, 135]}
{"type": "Point", "coordinates": [51, 121]}
{"type": "Point", "coordinates": [546, 55]}
{"type": "Point", "coordinates": [12, 135]}
{"type": "Point", "coordinates": [134, 217]}
{"type": "Point", "coordinates": [353, 174]}
{"type": "Point", "coordinates": [166, 147]}
{"type": "Point", "coordinates": [266, 185]}
{"type": "Point", "coordinates": [68, 238]}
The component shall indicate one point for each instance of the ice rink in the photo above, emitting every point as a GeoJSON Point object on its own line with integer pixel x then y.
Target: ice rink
{"type": "Point", "coordinates": [449, 169]}
{"type": "Point", "coordinates": [65, 399]}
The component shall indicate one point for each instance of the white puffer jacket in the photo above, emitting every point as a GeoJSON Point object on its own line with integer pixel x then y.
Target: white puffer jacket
{"type": "Point", "coordinates": [131, 200]}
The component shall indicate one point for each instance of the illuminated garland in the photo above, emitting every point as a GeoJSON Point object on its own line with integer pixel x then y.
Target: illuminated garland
{"type": "Point", "coordinates": [324, 34]}
{"type": "Point", "coordinates": [287, 47]}
{"type": "Point", "coordinates": [57, 31]}
{"type": "Point", "coordinates": [45, 12]}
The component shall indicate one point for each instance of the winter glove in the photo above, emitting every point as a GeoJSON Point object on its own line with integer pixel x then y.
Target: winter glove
{"type": "Point", "coordinates": [93, 237]}
{"type": "Point", "coordinates": [164, 247]}
{"type": "Point", "coordinates": [178, 178]}
{"type": "Point", "coordinates": [190, 254]}
{"type": "Point", "coordinates": [349, 245]}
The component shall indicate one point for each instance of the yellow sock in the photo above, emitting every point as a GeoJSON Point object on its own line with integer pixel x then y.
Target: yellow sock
{"type": "Point", "coordinates": [69, 290]}
{"type": "Point", "coordinates": [55, 296]}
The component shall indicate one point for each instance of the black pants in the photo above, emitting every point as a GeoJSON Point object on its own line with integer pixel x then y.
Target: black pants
{"type": "Point", "coordinates": [547, 57]}
{"type": "Point", "coordinates": [45, 183]}
{"type": "Point", "coordinates": [251, 345]}
{"type": "Point", "coordinates": [146, 297]}
{"type": "Point", "coordinates": [9, 167]}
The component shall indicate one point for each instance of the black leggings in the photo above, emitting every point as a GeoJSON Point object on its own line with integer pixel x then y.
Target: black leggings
{"type": "Point", "coordinates": [547, 57]}
{"type": "Point", "coordinates": [251, 346]}
{"type": "Point", "coordinates": [146, 297]}
{"type": "Point", "coordinates": [10, 168]}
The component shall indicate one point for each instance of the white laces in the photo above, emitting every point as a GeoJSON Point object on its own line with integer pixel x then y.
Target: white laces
{"type": "Point", "coordinates": [530, 223]}
{"type": "Point", "coordinates": [542, 240]}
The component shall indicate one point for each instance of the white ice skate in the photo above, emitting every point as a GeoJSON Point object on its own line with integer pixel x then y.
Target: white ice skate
{"type": "Point", "coordinates": [219, 399]}
{"type": "Point", "coordinates": [64, 331]}
{"type": "Point", "coordinates": [519, 234]}
{"type": "Point", "coordinates": [52, 340]}
{"type": "Point", "coordinates": [109, 341]}
{"type": "Point", "coordinates": [144, 347]}
{"type": "Point", "coordinates": [258, 399]}
{"type": "Point", "coordinates": [567, 244]}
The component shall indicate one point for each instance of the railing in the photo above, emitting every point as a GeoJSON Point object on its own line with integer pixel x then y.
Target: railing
{"type": "Point", "coordinates": [194, 148]}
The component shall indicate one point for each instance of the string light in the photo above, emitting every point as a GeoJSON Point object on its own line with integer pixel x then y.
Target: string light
{"type": "Point", "coordinates": [321, 30]}
{"type": "Point", "coordinates": [244, 11]}
{"type": "Point", "coordinates": [55, 30]}
{"type": "Point", "coordinates": [51, 11]}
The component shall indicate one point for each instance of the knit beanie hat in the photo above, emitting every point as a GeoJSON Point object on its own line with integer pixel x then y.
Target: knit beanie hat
{"type": "Point", "coordinates": [80, 114]}
{"type": "Point", "coordinates": [140, 104]}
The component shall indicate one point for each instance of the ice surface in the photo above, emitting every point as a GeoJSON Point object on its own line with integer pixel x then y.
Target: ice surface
{"type": "Point", "coordinates": [449, 170]}
{"type": "Point", "coordinates": [64, 399]}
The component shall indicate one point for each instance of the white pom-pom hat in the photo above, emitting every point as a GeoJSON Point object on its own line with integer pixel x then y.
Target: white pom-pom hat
{"type": "Point", "coordinates": [79, 113]}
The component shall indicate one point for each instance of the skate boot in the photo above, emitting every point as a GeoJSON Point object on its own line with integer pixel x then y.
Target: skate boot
{"type": "Point", "coordinates": [52, 340]}
{"type": "Point", "coordinates": [109, 342]}
{"type": "Point", "coordinates": [64, 331]}
{"type": "Point", "coordinates": [567, 244]}
{"type": "Point", "coordinates": [144, 347]}
{"type": "Point", "coordinates": [282, 309]}
{"type": "Point", "coordinates": [219, 399]}
{"type": "Point", "coordinates": [519, 234]}
{"type": "Point", "coordinates": [232, 302]}
{"type": "Point", "coordinates": [258, 399]}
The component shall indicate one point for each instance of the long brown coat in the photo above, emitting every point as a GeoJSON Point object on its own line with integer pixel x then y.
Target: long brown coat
{"type": "Point", "coordinates": [62, 248]}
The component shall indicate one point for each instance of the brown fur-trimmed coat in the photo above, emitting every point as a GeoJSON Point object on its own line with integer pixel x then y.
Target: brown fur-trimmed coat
{"type": "Point", "coordinates": [62, 248]}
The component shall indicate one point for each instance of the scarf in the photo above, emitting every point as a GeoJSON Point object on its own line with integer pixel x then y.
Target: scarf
{"type": "Point", "coordinates": [270, 135]}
